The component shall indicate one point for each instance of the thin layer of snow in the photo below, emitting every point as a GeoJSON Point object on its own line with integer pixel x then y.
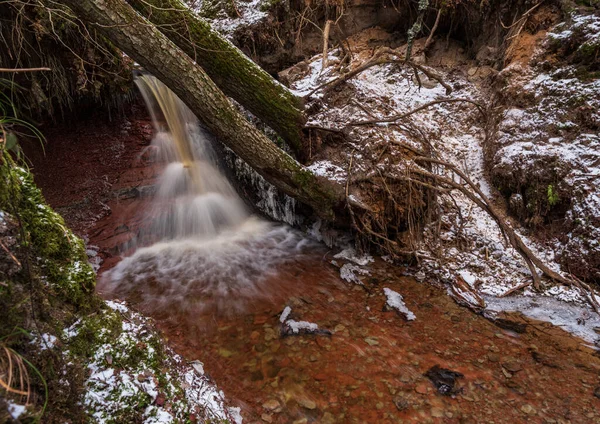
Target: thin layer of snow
{"type": "Point", "coordinates": [575, 319]}
{"type": "Point", "coordinates": [15, 410]}
{"type": "Point", "coordinates": [454, 131]}
{"type": "Point", "coordinates": [110, 387]}
{"type": "Point", "coordinates": [395, 301]}
{"type": "Point", "coordinates": [250, 15]}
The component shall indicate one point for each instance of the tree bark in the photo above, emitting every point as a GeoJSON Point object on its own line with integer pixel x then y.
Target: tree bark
{"type": "Point", "coordinates": [139, 39]}
{"type": "Point", "coordinates": [233, 72]}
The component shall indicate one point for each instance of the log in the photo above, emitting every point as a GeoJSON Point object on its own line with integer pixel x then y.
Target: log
{"type": "Point", "coordinates": [232, 71]}
{"type": "Point", "coordinates": [143, 42]}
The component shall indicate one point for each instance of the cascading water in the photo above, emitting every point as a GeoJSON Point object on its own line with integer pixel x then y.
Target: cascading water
{"type": "Point", "coordinates": [209, 253]}
{"type": "Point", "coordinates": [193, 199]}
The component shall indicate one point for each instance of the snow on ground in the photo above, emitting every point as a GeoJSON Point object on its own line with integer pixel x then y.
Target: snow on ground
{"type": "Point", "coordinates": [244, 15]}
{"type": "Point", "coordinates": [128, 373]}
{"type": "Point", "coordinates": [471, 244]}
{"type": "Point", "coordinates": [15, 410]}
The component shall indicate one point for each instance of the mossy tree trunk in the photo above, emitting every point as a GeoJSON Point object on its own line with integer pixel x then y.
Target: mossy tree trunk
{"type": "Point", "coordinates": [143, 42]}
{"type": "Point", "coordinates": [233, 72]}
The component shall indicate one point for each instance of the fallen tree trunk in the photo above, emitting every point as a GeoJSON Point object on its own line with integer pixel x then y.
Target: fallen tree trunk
{"type": "Point", "coordinates": [232, 71]}
{"type": "Point", "coordinates": [137, 37]}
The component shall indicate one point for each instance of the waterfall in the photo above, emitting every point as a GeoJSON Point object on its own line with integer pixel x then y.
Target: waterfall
{"type": "Point", "coordinates": [207, 251]}
{"type": "Point", "coordinates": [193, 198]}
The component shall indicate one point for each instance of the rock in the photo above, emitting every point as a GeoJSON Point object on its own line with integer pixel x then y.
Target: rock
{"type": "Point", "coordinates": [493, 357]}
{"type": "Point", "coordinates": [401, 403]}
{"type": "Point", "coordinates": [225, 353]}
{"type": "Point", "coordinates": [306, 403]}
{"type": "Point", "coordinates": [267, 418]}
{"type": "Point", "coordinates": [437, 412]}
{"type": "Point", "coordinates": [528, 409]}
{"type": "Point", "coordinates": [328, 418]}
{"type": "Point", "coordinates": [271, 404]}
{"type": "Point", "coordinates": [422, 388]}
{"type": "Point", "coordinates": [371, 341]}
{"type": "Point", "coordinates": [512, 366]}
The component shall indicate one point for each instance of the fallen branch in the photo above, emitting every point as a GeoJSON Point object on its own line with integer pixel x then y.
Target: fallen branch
{"type": "Point", "coordinates": [435, 25]}
{"type": "Point", "coordinates": [18, 70]}
{"type": "Point", "coordinates": [376, 60]}
{"type": "Point", "coordinates": [325, 43]}
{"type": "Point", "coordinates": [418, 109]}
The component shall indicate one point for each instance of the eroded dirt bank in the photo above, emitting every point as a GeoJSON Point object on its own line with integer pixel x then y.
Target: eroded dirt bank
{"type": "Point", "coordinates": [371, 369]}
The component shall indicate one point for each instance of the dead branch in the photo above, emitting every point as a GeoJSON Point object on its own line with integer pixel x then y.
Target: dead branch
{"type": "Point", "coordinates": [326, 43]}
{"type": "Point", "coordinates": [376, 60]}
{"type": "Point", "coordinates": [19, 70]}
{"type": "Point", "coordinates": [435, 25]}
{"type": "Point", "coordinates": [418, 109]}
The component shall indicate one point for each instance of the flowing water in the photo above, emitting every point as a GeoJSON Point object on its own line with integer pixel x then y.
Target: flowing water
{"type": "Point", "coordinates": [216, 280]}
{"type": "Point", "coordinates": [201, 250]}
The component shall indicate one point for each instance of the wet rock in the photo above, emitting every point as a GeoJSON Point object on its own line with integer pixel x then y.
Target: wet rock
{"type": "Point", "coordinates": [306, 403]}
{"type": "Point", "coordinates": [493, 357]}
{"type": "Point", "coordinates": [528, 409]}
{"type": "Point", "coordinates": [371, 341]}
{"type": "Point", "coordinates": [225, 353]}
{"type": "Point", "coordinates": [421, 388]}
{"type": "Point", "coordinates": [507, 324]}
{"type": "Point", "coordinates": [401, 403]}
{"type": "Point", "coordinates": [437, 412]}
{"type": "Point", "coordinates": [512, 366]}
{"type": "Point", "coordinates": [328, 418]}
{"type": "Point", "coordinates": [271, 404]}
{"type": "Point", "coordinates": [272, 369]}
{"type": "Point", "coordinates": [443, 379]}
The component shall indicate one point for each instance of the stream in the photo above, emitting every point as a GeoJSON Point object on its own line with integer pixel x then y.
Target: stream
{"type": "Point", "coordinates": [216, 279]}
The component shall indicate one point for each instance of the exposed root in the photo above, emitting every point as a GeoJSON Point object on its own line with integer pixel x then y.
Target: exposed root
{"type": "Point", "coordinates": [377, 59]}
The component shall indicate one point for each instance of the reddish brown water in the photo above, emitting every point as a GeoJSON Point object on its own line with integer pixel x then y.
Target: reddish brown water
{"type": "Point", "coordinates": [371, 369]}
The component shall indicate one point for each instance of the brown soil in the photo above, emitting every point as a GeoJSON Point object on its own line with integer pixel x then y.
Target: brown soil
{"type": "Point", "coordinates": [372, 367]}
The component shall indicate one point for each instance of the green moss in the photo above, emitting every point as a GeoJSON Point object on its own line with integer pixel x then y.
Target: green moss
{"type": "Point", "coordinates": [553, 197]}
{"type": "Point", "coordinates": [61, 254]}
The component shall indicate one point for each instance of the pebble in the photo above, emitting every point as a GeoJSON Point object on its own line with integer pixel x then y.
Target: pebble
{"type": "Point", "coordinates": [528, 409]}
{"type": "Point", "coordinates": [437, 412]}
{"type": "Point", "coordinates": [328, 418]}
{"type": "Point", "coordinates": [371, 341]}
{"type": "Point", "coordinates": [307, 403]}
{"type": "Point", "coordinates": [493, 357]}
{"type": "Point", "coordinates": [271, 404]}
{"type": "Point", "coordinates": [422, 388]}
{"type": "Point", "coordinates": [267, 418]}
{"type": "Point", "coordinates": [512, 366]}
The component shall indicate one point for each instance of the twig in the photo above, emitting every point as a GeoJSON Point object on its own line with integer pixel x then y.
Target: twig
{"type": "Point", "coordinates": [435, 25]}
{"type": "Point", "coordinates": [325, 43]}
{"type": "Point", "coordinates": [18, 70]}
{"type": "Point", "coordinates": [418, 109]}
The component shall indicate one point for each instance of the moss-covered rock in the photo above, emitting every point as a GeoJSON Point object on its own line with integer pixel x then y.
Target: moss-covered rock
{"type": "Point", "coordinates": [87, 360]}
